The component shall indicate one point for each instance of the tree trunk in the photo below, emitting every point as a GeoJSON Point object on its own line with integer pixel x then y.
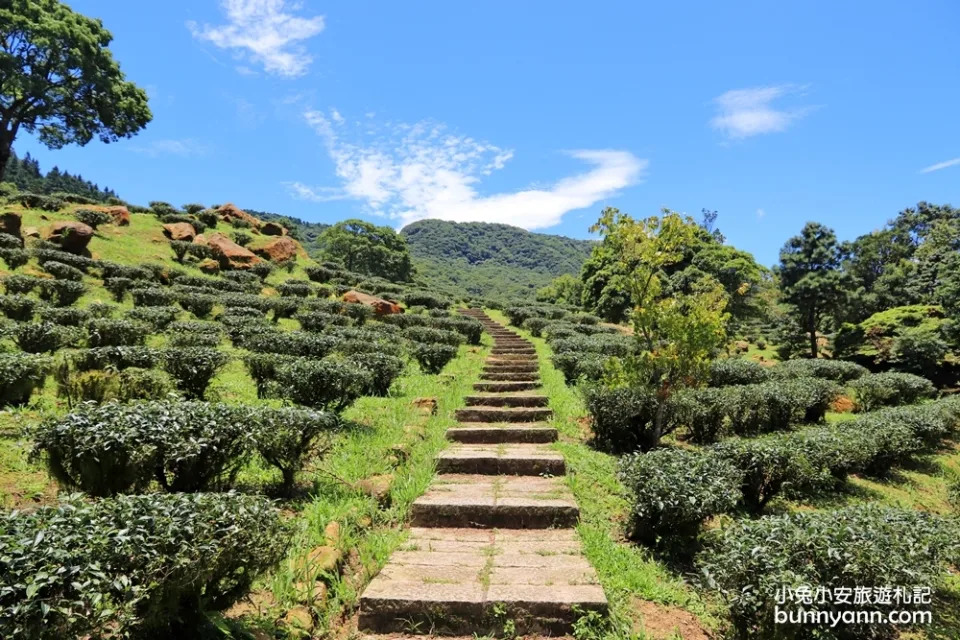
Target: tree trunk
{"type": "Point", "coordinates": [5, 152]}
{"type": "Point", "coordinates": [812, 330]}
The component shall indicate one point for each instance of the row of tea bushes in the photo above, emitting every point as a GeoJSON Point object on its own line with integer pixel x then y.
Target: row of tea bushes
{"type": "Point", "coordinates": [675, 490]}
{"type": "Point", "coordinates": [732, 371]}
{"type": "Point", "coordinates": [132, 566]}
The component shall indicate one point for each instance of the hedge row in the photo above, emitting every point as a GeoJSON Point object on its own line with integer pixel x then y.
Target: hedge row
{"type": "Point", "coordinates": [732, 371]}
{"type": "Point", "coordinates": [132, 566]}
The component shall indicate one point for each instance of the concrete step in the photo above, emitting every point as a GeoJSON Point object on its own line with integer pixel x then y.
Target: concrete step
{"type": "Point", "coordinates": [503, 414]}
{"type": "Point", "coordinates": [505, 386]}
{"type": "Point", "coordinates": [507, 400]}
{"type": "Point", "coordinates": [496, 433]}
{"type": "Point", "coordinates": [517, 376]}
{"type": "Point", "coordinates": [462, 581]}
{"type": "Point", "coordinates": [512, 349]}
{"type": "Point", "coordinates": [485, 501]}
{"type": "Point", "coordinates": [501, 459]}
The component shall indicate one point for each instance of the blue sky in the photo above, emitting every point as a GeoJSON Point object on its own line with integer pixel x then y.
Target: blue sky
{"type": "Point", "coordinates": [539, 114]}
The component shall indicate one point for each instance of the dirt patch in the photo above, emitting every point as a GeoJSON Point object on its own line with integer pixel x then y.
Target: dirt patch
{"type": "Point", "coordinates": [661, 622]}
{"type": "Point", "coordinates": [843, 404]}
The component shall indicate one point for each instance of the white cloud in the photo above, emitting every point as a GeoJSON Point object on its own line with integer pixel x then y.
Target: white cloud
{"type": "Point", "coordinates": [265, 32]}
{"type": "Point", "coordinates": [183, 147]}
{"type": "Point", "coordinates": [761, 214]}
{"type": "Point", "coordinates": [419, 171]}
{"type": "Point", "coordinates": [742, 113]}
{"type": "Point", "coordinates": [941, 165]}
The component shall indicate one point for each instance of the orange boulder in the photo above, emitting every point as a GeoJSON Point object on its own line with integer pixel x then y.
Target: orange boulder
{"type": "Point", "coordinates": [228, 253]}
{"type": "Point", "coordinates": [380, 306]}
{"type": "Point", "coordinates": [279, 249]}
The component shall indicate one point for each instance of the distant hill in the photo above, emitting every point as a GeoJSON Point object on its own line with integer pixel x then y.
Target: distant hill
{"type": "Point", "coordinates": [491, 260]}
{"type": "Point", "coordinates": [26, 174]}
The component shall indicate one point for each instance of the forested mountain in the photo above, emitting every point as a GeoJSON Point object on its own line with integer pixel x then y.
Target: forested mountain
{"type": "Point", "coordinates": [494, 260]}
{"type": "Point", "coordinates": [25, 173]}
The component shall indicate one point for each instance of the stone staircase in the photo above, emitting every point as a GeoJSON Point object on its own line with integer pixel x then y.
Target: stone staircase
{"type": "Point", "coordinates": [492, 538]}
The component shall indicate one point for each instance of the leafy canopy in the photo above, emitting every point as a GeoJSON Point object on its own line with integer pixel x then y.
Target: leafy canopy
{"type": "Point", "coordinates": [365, 248]}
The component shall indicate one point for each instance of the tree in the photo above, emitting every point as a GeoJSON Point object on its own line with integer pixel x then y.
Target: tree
{"type": "Point", "coordinates": [368, 249]}
{"type": "Point", "coordinates": [811, 279]}
{"type": "Point", "coordinates": [564, 289]}
{"type": "Point", "coordinates": [676, 334]}
{"type": "Point", "coordinates": [59, 81]}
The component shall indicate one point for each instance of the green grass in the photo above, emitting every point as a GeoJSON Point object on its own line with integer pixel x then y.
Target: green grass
{"type": "Point", "coordinates": [626, 571]}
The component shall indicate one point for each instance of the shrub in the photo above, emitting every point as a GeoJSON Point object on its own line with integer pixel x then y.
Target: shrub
{"type": "Point", "coordinates": [86, 386]}
{"type": "Point", "coordinates": [180, 249]}
{"type": "Point", "coordinates": [608, 345]}
{"type": "Point", "coordinates": [319, 274]}
{"type": "Point", "coordinates": [116, 270]}
{"type": "Point", "coordinates": [65, 316]}
{"type": "Point", "coordinates": [424, 299]}
{"type": "Point", "coordinates": [576, 365]}
{"type": "Point", "coordinates": [293, 343]}
{"type": "Point", "coordinates": [262, 367]}
{"type": "Point", "coordinates": [144, 384]}
{"type": "Point", "coordinates": [18, 283]}
{"type": "Point", "coordinates": [296, 288]}
{"type": "Point", "coordinates": [882, 389]}
{"type": "Point", "coordinates": [286, 437]}
{"type": "Point", "coordinates": [836, 370]}
{"type": "Point", "coordinates": [120, 358]}
{"type": "Point", "coordinates": [750, 561]}
{"type": "Point", "coordinates": [262, 269]}
{"type": "Point", "coordinates": [118, 287]}
{"type": "Point", "coordinates": [208, 217]}
{"type": "Point", "coordinates": [535, 325]}
{"type": "Point", "coordinates": [920, 352]}
{"type": "Point", "coordinates": [152, 297]}
{"type": "Point", "coordinates": [768, 466]}
{"type": "Point", "coordinates": [37, 201]}
{"type": "Point", "coordinates": [62, 293]}
{"type": "Point", "coordinates": [622, 418]}
{"type": "Point", "coordinates": [432, 358]}
{"type": "Point", "coordinates": [19, 307]}
{"type": "Point", "coordinates": [673, 491]}
{"type": "Point", "coordinates": [519, 315]}
{"type": "Point", "coordinates": [157, 317]}
{"type": "Point", "coordinates": [114, 448]}
{"type": "Point", "coordinates": [20, 374]}
{"type": "Point", "coordinates": [194, 339]}
{"type": "Point", "coordinates": [108, 332]}
{"type": "Point", "coordinates": [97, 309]}
{"type": "Point", "coordinates": [330, 384]}
{"type": "Point", "coordinates": [728, 371]}
{"type": "Point", "coordinates": [198, 304]}
{"type": "Point", "coordinates": [149, 566]}
{"type": "Point", "coordinates": [469, 328]}
{"type": "Point", "coordinates": [193, 367]}
{"type": "Point", "coordinates": [92, 217]}
{"type": "Point", "coordinates": [8, 241]}
{"type": "Point", "coordinates": [383, 370]}
{"type": "Point", "coordinates": [40, 337]}
{"type": "Point", "coordinates": [247, 281]}
{"type": "Point", "coordinates": [45, 255]}
{"type": "Point", "coordinates": [428, 335]}
{"type": "Point", "coordinates": [319, 321]}
{"type": "Point", "coordinates": [15, 258]}
{"type": "Point", "coordinates": [242, 238]}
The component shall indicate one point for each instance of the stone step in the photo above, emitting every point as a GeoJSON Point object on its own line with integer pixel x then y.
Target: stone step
{"type": "Point", "coordinates": [513, 349]}
{"type": "Point", "coordinates": [511, 366]}
{"type": "Point", "coordinates": [505, 386]}
{"type": "Point", "coordinates": [496, 433]}
{"type": "Point", "coordinates": [501, 459]}
{"type": "Point", "coordinates": [503, 414]}
{"type": "Point", "coordinates": [512, 357]}
{"type": "Point", "coordinates": [507, 400]}
{"type": "Point", "coordinates": [463, 581]}
{"type": "Point", "coordinates": [517, 376]}
{"type": "Point", "coordinates": [485, 501]}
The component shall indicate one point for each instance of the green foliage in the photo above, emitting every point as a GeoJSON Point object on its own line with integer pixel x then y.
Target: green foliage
{"type": "Point", "coordinates": [62, 293]}
{"type": "Point", "coordinates": [727, 371]}
{"type": "Point", "coordinates": [65, 316]}
{"type": "Point", "coordinates": [367, 249]}
{"type": "Point", "coordinates": [383, 369]}
{"type": "Point", "coordinates": [428, 335]}
{"type": "Point", "coordinates": [297, 288]}
{"type": "Point", "coordinates": [320, 274]}
{"type": "Point", "coordinates": [621, 417]}
{"type": "Point", "coordinates": [866, 546]}
{"type": "Point", "coordinates": [837, 370]}
{"type": "Point", "coordinates": [432, 357]}
{"type": "Point", "coordinates": [881, 389]}
{"type": "Point", "coordinates": [152, 297]}
{"type": "Point", "coordinates": [199, 304]}
{"type": "Point", "coordinates": [425, 299]}
{"type": "Point", "coordinates": [109, 332]}
{"type": "Point", "coordinates": [565, 289]}
{"type": "Point", "coordinates": [320, 321]}
{"type": "Point", "coordinates": [287, 437]}
{"type": "Point", "coordinates": [15, 258]}
{"type": "Point", "coordinates": [20, 374]}
{"type": "Point", "coordinates": [673, 491]}
{"type": "Point", "coordinates": [242, 238]}
{"type": "Point", "coordinates": [135, 383]}
{"type": "Point", "coordinates": [45, 255]}
{"type": "Point", "coordinates": [92, 217]}
{"type": "Point", "coordinates": [132, 565]}
{"type": "Point", "coordinates": [34, 200]}
{"type": "Point", "coordinates": [330, 384]}
{"type": "Point", "coordinates": [19, 307]}
{"type": "Point", "coordinates": [535, 326]}
{"type": "Point", "coordinates": [193, 367]}
{"type": "Point", "coordinates": [41, 337]}
{"type": "Point", "coordinates": [120, 358]}
{"type": "Point", "coordinates": [118, 287]}
{"type": "Point", "coordinates": [63, 271]}
{"type": "Point", "coordinates": [158, 317]}
{"type": "Point", "coordinates": [19, 283]}
{"type": "Point", "coordinates": [768, 465]}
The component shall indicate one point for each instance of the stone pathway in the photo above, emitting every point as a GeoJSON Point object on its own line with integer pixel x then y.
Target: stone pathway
{"type": "Point", "coordinates": [492, 542]}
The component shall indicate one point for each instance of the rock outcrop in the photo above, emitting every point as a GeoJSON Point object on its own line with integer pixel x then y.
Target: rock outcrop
{"type": "Point", "coordinates": [380, 306]}
{"type": "Point", "coordinates": [273, 229]}
{"type": "Point", "coordinates": [72, 236]}
{"type": "Point", "coordinates": [10, 223]}
{"type": "Point", "coordinates": [183, 231]}
{"type": "Point", "coordinates": [230, 212]}
{"type": "Point", "coordinates": [279, 249]}
{"type": "Point", "coordinates": [228, 253]}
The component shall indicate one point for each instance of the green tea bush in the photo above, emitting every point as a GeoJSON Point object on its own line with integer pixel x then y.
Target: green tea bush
{"type": "Point", "coordinates": [144, 384]}
{"type": "Point", "coordinates": [750, 561]}
{"type": "Point", "coordinates": [609, 345]}
{"type": "Point", "coordinates": [293, 343]}
{"type": "Point", "coordinates": [331, 384]}
{"type": "Point", "coordinates": [405, 320]}
{"type": "Point", "coordinates": [284, 307]}
{"type": "Point", "coordinates": [836, 370]}
{"type": "Point", "coordinates": [242, 238]}
{"type": "Point", "coordinates": [881, 389]}
{"type": "Point", "coordinates": [198, 304]}
{"type": "Point", "coordinates": [121, 357]}
{"type": "Point", "coordinates": [92, 217]}
{"type": "Point", "coordinates": [44, 256]}
{"type": "Point", "coordinates": [245, 300]}
{"type": "Point", "coordinates": [673, 491]}
{"type": "Point", "coordinates": [519, 315]}
{"type": "Point", "coordinates": [535, 326]}
{"type": "Point", "coordinates": [152, 297]}
{"type": "Point", "coordinates": [768, 465]}
{"type": "Point", "coordinates": [117, 270]}
{"type": "Point", "coordinates": [37, 201]}
{"type": "Point", "coordinates": [286, 437]}
{"type": "Point", "coordinates": [8, 241]}
{"type": "Point", "coordinates": [470, 328]}
{"type": "Point", "coordinates": [262, 269]}
{"type": "Point", "coordinates": [622, 418]}
{"type": "Point", "coordinates": [262, 367]}
{"type": "Point", "coordinates": [191, 339]}
{"type": "Point", "coordinates": [297, 288]}
{"type": "Point", "coordinates": [383, 370]}
{"type": "Point", "coordinates": [319, 273]}
{"type": "Point", "coordinates": [109, 332]}
{"type": "Point", "coordinates": [19, 283]}
{"type": "Point", "coordinates": [41, 337]}
{"type": "Point", "coordinates": [425, 299]}
{"type": "Point", "coordinates": [210, 285]}
{"type": "Point", "coordinates": [118, 287]}
{"type": "Point", "coordinates": [576, 365]}
{"type": "Point", "coordinates": [65, 316]}
{"type": "Point", "coordinates": [63, 271]}
{"type": "Point", "coordinates": [319, 321]}
{"type": "Point", "coordinates": [432, 358]}
{"type": "Point", "coordinates": [558, 330]}
{"type": "Point", "coordinates": [193, 367]}
{"type": "Point", "coordinates": [729, 371]}
{"type": "Point", "coordinates": [15, 258]}
{"type": "Point", "coordinates": [132, 566]}
{"type": "Point", "coordinates": [19, 307]}
{"type": "Point", "coordinates": [427, 335]}
{"type": "Point", "coordinates": [111, 448]}
{"type": "Point", "coordinates": [157, 317]}
{"type": "Point", "coordinates": [62, 293]}
{"type": "Point", "coordinates": [248, 282]}
{"type": "Point", "coordinates": [86, 386]}
{"type": "Point", "coordinates": [884, 442]}
{"type": "Point", "coordinates": [20, 374]}
{"type": "Point", "coordinates": [98, 309]}
{"type": "Point", "coordinates": [704, 412]}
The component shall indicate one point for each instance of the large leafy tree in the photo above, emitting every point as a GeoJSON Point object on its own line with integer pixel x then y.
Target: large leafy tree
{"type": "Point", "coordinates": [811, 279]}
{"type": "Point", "coordinates": [59, 81]}
{"type": "Point", "coordinates": [366, 248]}
{"type": "Point", "coordinates": [677, 332]}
